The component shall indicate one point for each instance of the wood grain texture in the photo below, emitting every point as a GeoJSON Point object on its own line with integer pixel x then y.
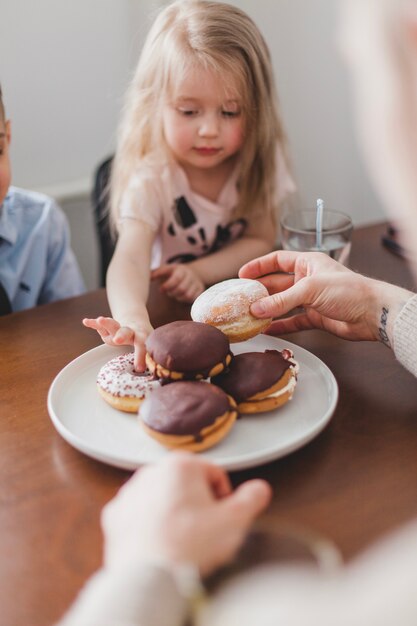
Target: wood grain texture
{"type": "Point", "coordinates": [355, 481]}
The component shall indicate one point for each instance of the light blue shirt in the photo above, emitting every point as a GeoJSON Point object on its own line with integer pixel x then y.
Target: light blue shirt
{"type": "Point", "coordinates": [37, 264]}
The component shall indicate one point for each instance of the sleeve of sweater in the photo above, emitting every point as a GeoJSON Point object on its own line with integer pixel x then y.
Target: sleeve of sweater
{"type": "Point", "coordinates": [145, 595]}
{"type": "Point", "coordinates": [405, 335]}
{"type": "Point", "coordinates": [378, 588]}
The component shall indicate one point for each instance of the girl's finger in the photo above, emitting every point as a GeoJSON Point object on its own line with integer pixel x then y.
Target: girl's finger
{"type": "Point", "coordinates": [172, 282]}
{"type": "Point", "coordinates": [105, 335]}
{"type": "Point", "coordinates": [162, 271]}
{"type": "Point", "coordinates": [187, 297]}
{"type": "Point", "coordinates": [90, 323]}
{"type": "Point", "coordinates": [184, 285]}
{"type": "Point", "coordinates": [192, 293]}
{"type": "Point", "coordinates": [124, 336]}
{"type": "Point", "coordinates": [180, 287]}
{"type": "Point", "coordinates": [139, 357]}
{"type": "Point", "coordinates": [109, 324]}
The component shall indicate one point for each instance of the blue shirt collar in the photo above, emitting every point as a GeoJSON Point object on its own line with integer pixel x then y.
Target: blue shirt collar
{"type": "Point", "coordinates": [8, 230]}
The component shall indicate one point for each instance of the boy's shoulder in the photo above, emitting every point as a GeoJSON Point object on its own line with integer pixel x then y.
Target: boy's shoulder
{"type": "Point", "coordinates": [33, 205]}
{"type": "Point", "coordinates": [23, 210]}
{"type": "Point", "coordinates": [18, 198]}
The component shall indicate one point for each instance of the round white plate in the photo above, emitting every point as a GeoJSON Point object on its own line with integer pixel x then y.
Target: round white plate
{"type": "Point", "coordinates": [92, 426]}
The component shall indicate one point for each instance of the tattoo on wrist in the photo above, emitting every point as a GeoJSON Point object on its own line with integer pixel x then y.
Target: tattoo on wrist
{"type": "Point", "coordinates": [382, 330]}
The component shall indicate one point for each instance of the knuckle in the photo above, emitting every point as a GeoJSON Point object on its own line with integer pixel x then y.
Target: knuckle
{"type": "Point", "coordinates": [274, 301]}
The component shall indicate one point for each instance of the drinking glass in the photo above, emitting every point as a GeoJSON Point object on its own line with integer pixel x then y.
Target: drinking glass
{"type": "Point", "coordinates": [298, 232]}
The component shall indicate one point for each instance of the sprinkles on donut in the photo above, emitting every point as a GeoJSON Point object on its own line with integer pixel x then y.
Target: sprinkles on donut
{"type": "Point", "coordinates": [121, 386]}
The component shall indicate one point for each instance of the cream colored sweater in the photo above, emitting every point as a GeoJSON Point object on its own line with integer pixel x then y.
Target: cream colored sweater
{"type": "Point", "coordinates": [405, 336]}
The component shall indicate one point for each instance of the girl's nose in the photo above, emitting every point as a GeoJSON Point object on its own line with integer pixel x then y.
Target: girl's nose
{"type": "Point", "coordinates": [209, 126]}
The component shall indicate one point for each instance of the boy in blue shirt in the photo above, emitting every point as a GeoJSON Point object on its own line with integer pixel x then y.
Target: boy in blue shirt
{"type": "Point", "coordinates": [37, 264]}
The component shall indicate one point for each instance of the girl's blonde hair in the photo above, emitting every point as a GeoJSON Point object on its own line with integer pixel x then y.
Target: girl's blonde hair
{"type": "Point", "coordinates": [189, 34]}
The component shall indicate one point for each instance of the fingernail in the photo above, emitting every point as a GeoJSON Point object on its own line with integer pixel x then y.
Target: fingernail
{"type": "Point", "coordinates": [257, 308]}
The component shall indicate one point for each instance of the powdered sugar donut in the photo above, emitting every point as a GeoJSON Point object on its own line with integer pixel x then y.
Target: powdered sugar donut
{"type": "Point", "coordinates": [121, 386]}
{"type": "Point", "coordinates": [226, 306]}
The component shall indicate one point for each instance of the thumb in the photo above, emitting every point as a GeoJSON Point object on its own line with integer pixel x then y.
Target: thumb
{"type": "Point", "coordinates": [248, 501]}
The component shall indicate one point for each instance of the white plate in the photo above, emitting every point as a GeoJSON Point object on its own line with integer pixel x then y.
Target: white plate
{"type": "Point", "coordinates": [92, 426]}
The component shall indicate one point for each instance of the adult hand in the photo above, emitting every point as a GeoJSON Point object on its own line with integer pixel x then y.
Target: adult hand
{"type": "Point", "coordinates": [181, 510]}
{"type": "Point", "coordinates": [179, 281]}
{"type": "Point", "coordinates": [113, 334]}
{"type": "Point", "coordinates": [333, 297]}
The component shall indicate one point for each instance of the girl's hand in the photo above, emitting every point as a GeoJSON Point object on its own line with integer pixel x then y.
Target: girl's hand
{"type": "Point", "coordinates": [180, 510]}
{"type": "Point", "coordinates": [113, 334]}
{"type": "Point", "coordinates": [179, 281]}
{"type": "Point", "coordinates": [333, 297]}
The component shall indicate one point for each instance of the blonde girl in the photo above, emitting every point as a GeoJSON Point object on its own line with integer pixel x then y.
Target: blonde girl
{"type": "Point", "coordinates": [200, 168]}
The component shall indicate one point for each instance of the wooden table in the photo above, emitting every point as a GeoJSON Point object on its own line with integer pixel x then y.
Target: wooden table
{"type": "Point", "coordinates": [355, 481]}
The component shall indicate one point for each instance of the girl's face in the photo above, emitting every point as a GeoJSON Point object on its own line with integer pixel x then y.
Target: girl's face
{"type": "Point", "coordinates": [203, 122]}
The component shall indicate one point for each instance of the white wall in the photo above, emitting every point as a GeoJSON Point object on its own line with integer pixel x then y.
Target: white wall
{"type": "Point", "coordinates": [64, 67]}
{"type": "Point", "coordinates": [314, 93]}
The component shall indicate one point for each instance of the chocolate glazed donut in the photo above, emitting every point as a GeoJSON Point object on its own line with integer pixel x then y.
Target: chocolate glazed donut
{"type": "Point", "coordinates": [260, 381]}
{"type": "Point", "coordinates": [188, 415]}
{"type": "Point", "coordinates": [186, 350]}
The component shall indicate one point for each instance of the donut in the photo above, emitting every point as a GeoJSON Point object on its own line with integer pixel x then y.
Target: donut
{"type": "Point", "coordinates": [260, 381]}
{"type": "Point", "coordinates": [188, 415]}
{"type": "Point", "coordinates": [226, 305]}
{"type": "Point", "coordinates": [121, 386]}
{"type": "Point", "coordinates": [186, 350]}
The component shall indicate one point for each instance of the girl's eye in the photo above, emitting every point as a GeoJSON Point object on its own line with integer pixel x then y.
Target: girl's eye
{"type": "Point", "coordinates": [187, 112]}
{"type": "Point", "coordinates": [231, 113]}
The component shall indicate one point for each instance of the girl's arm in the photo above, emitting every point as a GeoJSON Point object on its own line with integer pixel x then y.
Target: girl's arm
{"type": "Point", "coordinates": [259, 239]}
{"type": "Point", "coordinates": [128, 273]}
{"type": "Point", "coordinates": [127, 291]}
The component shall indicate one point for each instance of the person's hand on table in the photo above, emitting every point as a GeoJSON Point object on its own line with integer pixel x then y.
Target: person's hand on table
{"type": "Point", "coordinates": [179, 281]}
{"type": "Point", "coordinates": [113, 334]}
{"type": "Point", "coordinates": [180, 511]}
{"type": "Point", "coordinates": [333, 297]}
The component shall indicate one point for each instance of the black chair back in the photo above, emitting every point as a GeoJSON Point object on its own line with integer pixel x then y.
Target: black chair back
{"type": "Point", "coordinates": [100, 200]}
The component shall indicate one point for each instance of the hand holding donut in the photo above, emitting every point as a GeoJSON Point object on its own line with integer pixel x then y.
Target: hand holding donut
{"type": "Point", "coordinates": [113, 334]}
{"type": "Point", "coordinates": [334, 298]}
{"type": "Point", "coordinates": [155, 515]}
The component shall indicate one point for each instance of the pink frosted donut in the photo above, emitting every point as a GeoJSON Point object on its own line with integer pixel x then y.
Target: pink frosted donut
{"type": "Point", "coordinates": [121, 386]}
{"type": "Point", "coordinates": [226, 306]}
